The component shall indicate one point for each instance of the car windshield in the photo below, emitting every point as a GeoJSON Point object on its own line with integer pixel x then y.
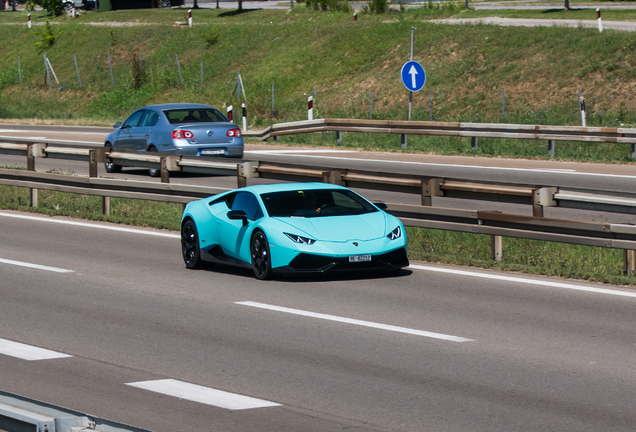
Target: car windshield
{"type": "Point", "coordinates": [194, 115]}
{"type": "Point", "coordinates": [316, 203]}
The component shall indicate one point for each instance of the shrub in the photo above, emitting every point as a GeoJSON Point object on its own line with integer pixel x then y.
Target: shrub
{"type": "Point", "coordinates": [378, 6]}
{"type": "Point", "coordinates": [53, 7]}
{"type": "Point", "coordinates": [48, 36]}
{"type": "Point", "coordinates": [211, 35]}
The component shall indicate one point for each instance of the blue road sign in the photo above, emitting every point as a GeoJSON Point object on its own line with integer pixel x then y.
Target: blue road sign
{"type": "Point", "coordinates": [413, 76]}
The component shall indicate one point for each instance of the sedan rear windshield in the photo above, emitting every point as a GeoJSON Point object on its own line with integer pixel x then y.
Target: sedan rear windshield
{"type": "Point", "coordinates": [316, 203]}
{"type": "Point", "coordinates": [195, 115]}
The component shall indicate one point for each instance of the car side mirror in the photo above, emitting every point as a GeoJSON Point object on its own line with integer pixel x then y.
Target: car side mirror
{"type": "Point", "coordinates": [237, 215]}
{"type": "Point", "coordinates": [116, 125]}
{"type": "Point", "coordinates": [382, 206]}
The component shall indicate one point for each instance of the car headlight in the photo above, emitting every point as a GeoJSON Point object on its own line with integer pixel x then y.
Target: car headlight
{"type": "Point", "coordinates": [298, 239]}
{"type": "Point", "coordinates": [395, 234]}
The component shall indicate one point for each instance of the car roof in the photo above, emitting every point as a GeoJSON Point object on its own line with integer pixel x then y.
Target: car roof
{"type": "Point", "coordinates": [169, 106]}
{"type": "Point", "coordinates": [282, 187]}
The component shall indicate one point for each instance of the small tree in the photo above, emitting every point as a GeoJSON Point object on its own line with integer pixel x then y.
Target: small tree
{"type": "Point", "coordinates": [139, 76]}
{"type": "Point", "coordinates": [53, 7]}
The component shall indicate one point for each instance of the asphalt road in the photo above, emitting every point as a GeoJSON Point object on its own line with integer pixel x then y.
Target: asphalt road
{"type": "Point", "coordinates": [432, 350]}
{"type": "Point", "coordinates": [610, 177]}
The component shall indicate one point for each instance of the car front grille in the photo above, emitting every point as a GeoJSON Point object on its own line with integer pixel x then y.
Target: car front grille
{"type": "Point", "coordinates": [320, 263]}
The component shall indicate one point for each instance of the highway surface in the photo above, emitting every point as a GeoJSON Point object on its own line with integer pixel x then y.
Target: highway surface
{"type": "Point", "coordinates": [112, 324]}
{"type": "Point", "coordinates": [105, 319]}
{"type": "Point", "coordinates": [611, 177]}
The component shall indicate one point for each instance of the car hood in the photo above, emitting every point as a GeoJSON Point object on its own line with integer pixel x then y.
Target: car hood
{"type": "Point", "coordinates": [338, 228]}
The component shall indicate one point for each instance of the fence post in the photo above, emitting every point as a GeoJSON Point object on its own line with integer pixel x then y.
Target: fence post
{"type": "Point", "coordinates": [473, 143]}
{"type": "Point", "coordinates": [339, 138]}
{"type": "Point", "coordinates": [371, 105]}
{"type": "Point", "coordinates": [201, 76]}
{"type": "Point", "coordinates": [110, 67]}
{"type": "Point", "coordinates": [179, 67]}
{"type": "Point", "coordinates": [78, 74]}
{"type": "Point", "coordinates": [92, 163]}
{"type": "Point", "coordinates": [503, 104]}
{"type": "Point", "coordinates": [430, 106]}
{"type": "Point", "coordinates": [272, 100]}
{"type": "Point", "coordinates": [629, 262]}
{"type": "Point", "coordinates": [496, 247]}
{"type": "Point", "coordinates": [403, 141]}
{"type": "Point", "coordinates": [229, 112]}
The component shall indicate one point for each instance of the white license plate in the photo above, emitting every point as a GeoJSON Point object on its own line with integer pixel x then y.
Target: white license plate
{"type": "Point", "coordinates": [359, 258]}
{"type": "Point", "coordinates": [211, 152]}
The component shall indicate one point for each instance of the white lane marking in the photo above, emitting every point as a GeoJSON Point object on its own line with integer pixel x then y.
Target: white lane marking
{"type": "Point", "coordinates": [204, 395]}
{"type": "Point", "coordinates": [35, 266]}
{"type": "Point", "coordinates": [54, 132]}
{"type": "Point", "coordinates": [356, 322]}
{"type": "Point", "coordinates": [28, 352]}
{"type": "Point", "coordinates": [526, 281]}
{"type": "Point", "coordinates": [283, 152]}
{"type": "Point", "coordinates": [444, 165]}
{"type": "Point", "coordinates": [92, 225]}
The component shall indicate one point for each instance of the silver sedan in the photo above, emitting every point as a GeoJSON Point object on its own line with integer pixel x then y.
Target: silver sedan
{"type": "Point", "coordinates": [179, 128]}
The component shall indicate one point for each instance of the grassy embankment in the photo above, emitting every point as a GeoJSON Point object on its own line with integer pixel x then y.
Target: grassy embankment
{"type": "Point", "coordinates": [467, 67]}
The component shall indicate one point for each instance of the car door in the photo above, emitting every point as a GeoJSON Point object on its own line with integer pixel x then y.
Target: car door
{"type": "Point", "coordinates": [141, 133]}
{"type": "Point", "coordinates": [125, 138]}
{"type": "Point", "coordinates": [233, 235]}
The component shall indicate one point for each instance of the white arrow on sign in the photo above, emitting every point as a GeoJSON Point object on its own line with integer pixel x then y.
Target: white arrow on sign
{"type": "Point", "coordinates": [413, 72]}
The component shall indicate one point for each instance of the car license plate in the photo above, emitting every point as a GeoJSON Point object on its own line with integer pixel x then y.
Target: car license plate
{"type": "Point", "coordinates": [359, 258]}
{"type": "Point", "coordinates": [212, 152]}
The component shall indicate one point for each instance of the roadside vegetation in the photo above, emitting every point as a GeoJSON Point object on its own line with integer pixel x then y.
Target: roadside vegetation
{"type": "Point", "coordinates": [539, 70]}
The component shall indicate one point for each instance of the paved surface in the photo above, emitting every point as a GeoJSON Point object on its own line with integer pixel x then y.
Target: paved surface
{"type": "Point", "coordinates": [526, 22]}
{"type": "Point", "coordinates": [540, 357]}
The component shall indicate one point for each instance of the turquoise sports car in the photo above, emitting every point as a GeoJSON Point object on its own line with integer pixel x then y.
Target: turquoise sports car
{"type": "Point", "coordinates": [292, 228]}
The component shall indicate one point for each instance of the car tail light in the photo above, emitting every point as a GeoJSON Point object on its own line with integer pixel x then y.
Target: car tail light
{"type": "Point", "coordinates": [234, 133]}
{"type": "Point", "coordinates": [181, 134]}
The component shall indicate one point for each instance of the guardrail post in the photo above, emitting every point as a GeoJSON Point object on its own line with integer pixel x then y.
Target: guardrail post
{"type": "Point", "coordinates": [244, 171]}
{"type": "Point", "coordinates": [633, 151]}
{"type": "Point", "coordinates": [431, 188]}
{"type": "Point", "coordinates": [541, 198]}
{"type": "Point", "coordinates": [403, 141]}
{"type": "Point", "coordinates": [106, 205]}
{"type": "Point", "coordinates": [169, 163]}
{"type": "Point", "coordinates": [551, 147]}
{"type": "Point", "coordinates": [629, 262]}
{"type": "Point", "coordinates": [473, 143]}
{"type": "Point", "coordinates": [496, 247]}
{"type": "Point", "coordinates": [33, 151]}
{"type": "Point", "coordinates": [92, 163]}
{"type": "Point", "coordinates": [339, 138]}
{"type": "Point", "coordinates": [335, 177]}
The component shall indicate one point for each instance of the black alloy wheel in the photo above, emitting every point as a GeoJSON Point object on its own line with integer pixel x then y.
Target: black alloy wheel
{"type": "Point", "coordinates": [261, 259]}
{"type": "Point", "coordinates": [111, 167]}
{"type": "Point", "coordinates": [190, 245]}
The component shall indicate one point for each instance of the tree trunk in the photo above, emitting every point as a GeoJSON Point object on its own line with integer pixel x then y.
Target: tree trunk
{"type": "Point", "coordinates": [240, 5]}
{"type": "Point", "coordinates": [566, 5]}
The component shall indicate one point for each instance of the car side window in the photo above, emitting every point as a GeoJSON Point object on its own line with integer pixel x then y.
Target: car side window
{"type": "Point", "coordinates": [150, 119]}
{"type": "Point", "coordinates": [249, 204]}
{"type": "Point", "coordinates": [133, 120]}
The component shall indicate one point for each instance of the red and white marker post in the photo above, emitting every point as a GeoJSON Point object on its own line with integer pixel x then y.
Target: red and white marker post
{"type": "Point", "coordinates": [190, 17]}
{"type": "Point", "coordinates": [310, 108]}
{"type": "Point", "coordinates": [244, 116]}
{"type": "Point", "coordinates": [229, 112]}
{"type": "Point", "coordinates": [29, 21]}
{"type": "Point", "coordinates": [598, 19]}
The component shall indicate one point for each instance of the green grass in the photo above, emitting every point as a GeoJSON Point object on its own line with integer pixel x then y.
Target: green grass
{"type": "Point", "coordinates": [527, 256]}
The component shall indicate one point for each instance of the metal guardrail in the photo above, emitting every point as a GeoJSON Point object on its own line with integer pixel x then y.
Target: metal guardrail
{"type": "Point", "coordinates": [456, 129]}
{"type": "Point", "coordinates": [495, 224]}
{"type": "Point", "coordinates": [19, 413]}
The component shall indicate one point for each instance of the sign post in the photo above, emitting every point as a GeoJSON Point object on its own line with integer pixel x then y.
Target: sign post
{"type": "Point", "coordinates": [413, 78]}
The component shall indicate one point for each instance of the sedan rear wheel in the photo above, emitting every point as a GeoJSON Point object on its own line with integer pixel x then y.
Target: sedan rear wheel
{"type": "Point", "coordinates": [261, 259]}
{"type": "Point", "coordinates": [190, 245]}
{"type": "Point", "coordinates": [111, 167]}
{"type": "Point", "coordinates": [154, 172]}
